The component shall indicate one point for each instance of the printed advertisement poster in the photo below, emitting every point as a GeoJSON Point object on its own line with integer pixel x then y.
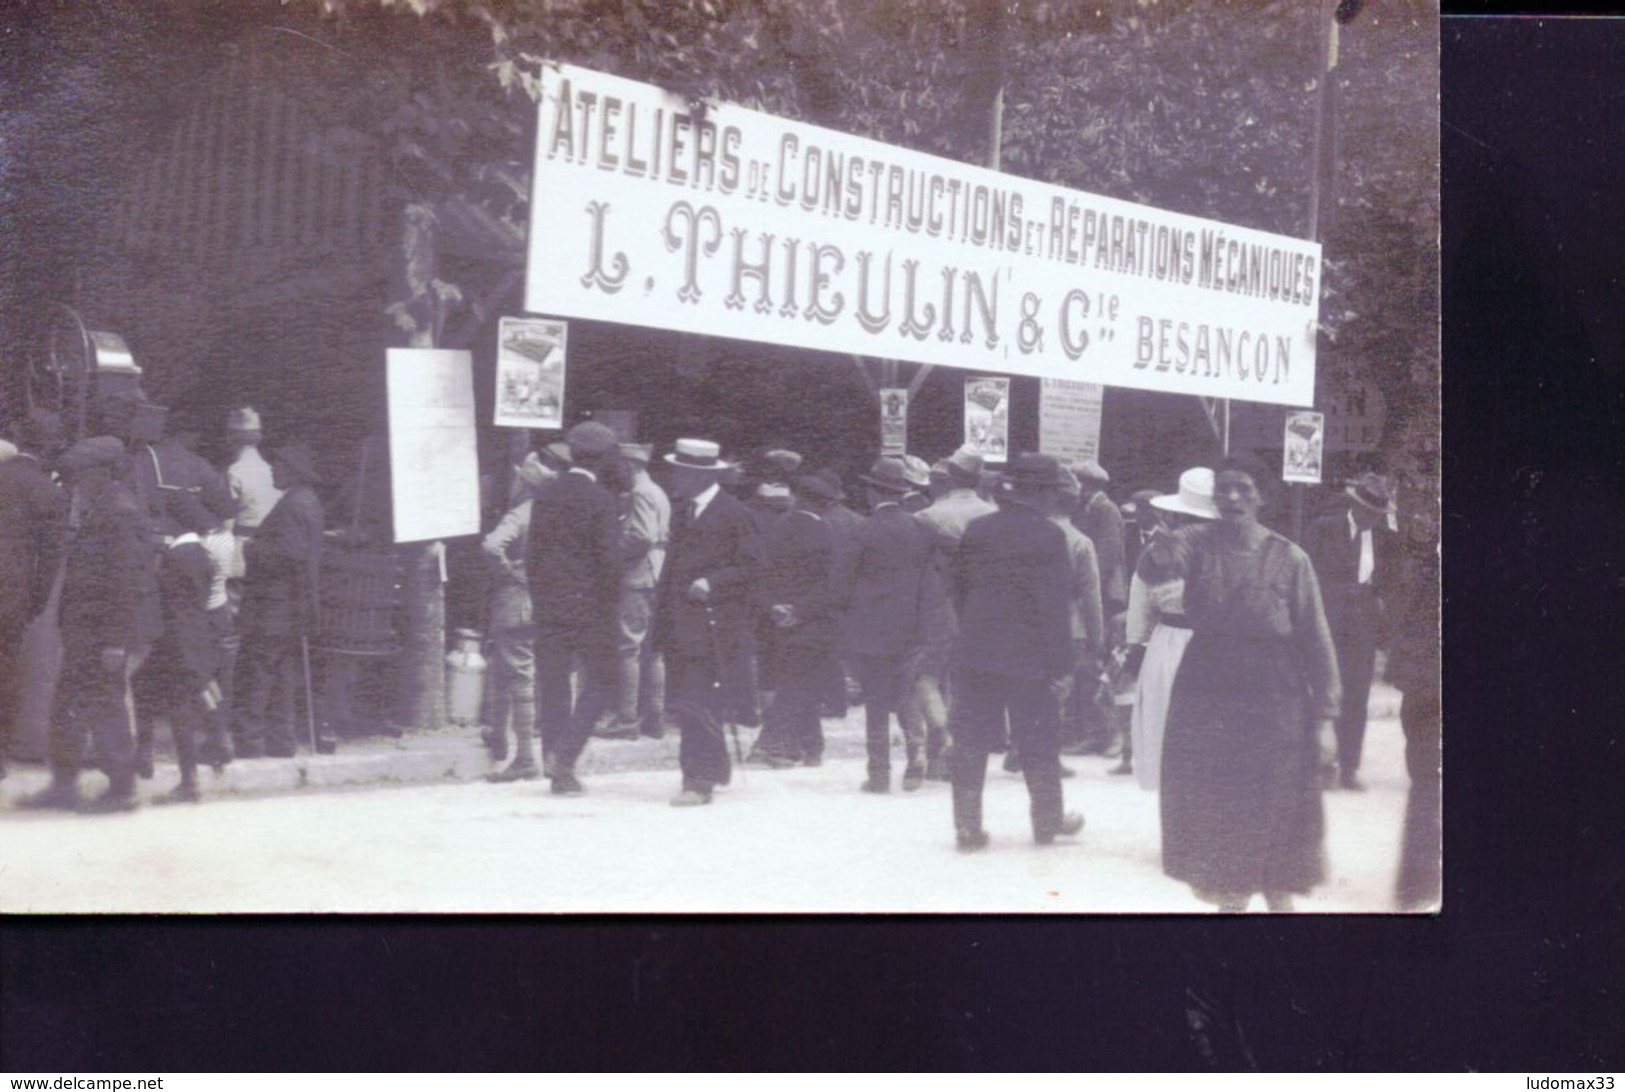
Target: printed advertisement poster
{"type": "Point", "coordinates": [1305, 446]}
{"type": "Point", "coordinates": [1069, 419]}
{"type": "Point", "coordinates": [894, 421]}
{"type": "Point", "coordinates": [530, 373]}
{"type": "Point", "coordinates": [434, 468]}
{"type": "Point", "coordinates": [987, 417]}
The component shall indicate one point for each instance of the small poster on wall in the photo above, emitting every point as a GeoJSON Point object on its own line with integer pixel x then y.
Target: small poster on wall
{"type": "Point", "coordinates": [894, 421]}
{"type": "Point", "coordinates": [987, 417]}
{"type": "Point", "coordinates": [530, 373]}
{"type": "Point", "coordinates": [1305, 446]}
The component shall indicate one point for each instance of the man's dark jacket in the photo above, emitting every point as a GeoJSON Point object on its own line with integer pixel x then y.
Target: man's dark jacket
{"type": "Point", "coordinates": [573, 559]}
{"type": "Point", "coordinates": [889, 583]}
{"type": "Point", "coordinates": [722, 548]}
{"type": "Point", "coordinates": [1012, 580]}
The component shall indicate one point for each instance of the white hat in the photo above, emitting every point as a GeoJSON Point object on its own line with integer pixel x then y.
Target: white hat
{"type": "Point", "coordinates": [699, 455]}
{"type": "Point", "coordinates": [246, 419]}
{"type": "Point", "coordinates": [1195, 496]}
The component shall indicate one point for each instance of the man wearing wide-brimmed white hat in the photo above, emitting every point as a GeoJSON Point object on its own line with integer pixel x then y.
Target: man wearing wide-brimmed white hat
{"type": "Point", "coordinates": [703, 612]}
{"type": "Point", "coordinates": [1353, 553]}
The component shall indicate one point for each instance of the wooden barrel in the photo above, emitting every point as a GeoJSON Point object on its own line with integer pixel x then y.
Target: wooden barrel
{"type": "Point", "coordinates": [361, 590]}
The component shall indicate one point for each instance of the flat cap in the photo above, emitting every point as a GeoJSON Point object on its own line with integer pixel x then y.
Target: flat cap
{"type": "Point", "coordinates": [590, 438]}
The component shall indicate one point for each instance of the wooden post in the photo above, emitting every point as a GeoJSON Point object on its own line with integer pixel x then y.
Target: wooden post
{"type": "Point", "coordinates": [1320, 167]}
{"type": "Point", "coordinates": [420, 672]}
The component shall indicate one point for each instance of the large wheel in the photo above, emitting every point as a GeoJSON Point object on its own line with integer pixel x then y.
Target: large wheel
{"type": "Point", "coordinates": [64, 384]}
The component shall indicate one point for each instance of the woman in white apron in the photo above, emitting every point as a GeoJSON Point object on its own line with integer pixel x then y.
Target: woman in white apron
{"type": "Point", "coordinates": [1156, 629]}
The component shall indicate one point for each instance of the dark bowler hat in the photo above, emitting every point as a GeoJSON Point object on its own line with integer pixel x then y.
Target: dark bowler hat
{"type": "Point", "coordinates": [299, 458]}
{"type": "Point", "coordinates": [698, 455]}
{"type": "Point", "coordinates": [1369, 491]}
{"type": "Point", "coordinates": [832, 477]}
{"type": "Point", "coordinates": [888, 474]}
{"type": "Point", "coordinates": [1033, 471]}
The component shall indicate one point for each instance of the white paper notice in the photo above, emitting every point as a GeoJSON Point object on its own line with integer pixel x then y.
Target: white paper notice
{"type": "Point", "coordinates": [434, 463]}
{"type": "Point", "coordinates": [1069, 419]}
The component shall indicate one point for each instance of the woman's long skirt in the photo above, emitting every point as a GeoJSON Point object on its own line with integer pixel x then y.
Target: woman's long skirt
{"type": "Point", "coordinates": [1241, 806]}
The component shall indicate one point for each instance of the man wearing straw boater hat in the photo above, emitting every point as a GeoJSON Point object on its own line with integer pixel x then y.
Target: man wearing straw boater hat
{"type": "Point", "coordinates": [1012, 579]}
{"type": "Point", "coordinates": [1353, 552]}
{"type": "Point", "coordinates": [703, 612]}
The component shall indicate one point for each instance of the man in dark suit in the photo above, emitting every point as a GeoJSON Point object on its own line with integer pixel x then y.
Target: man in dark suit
{"type": "Point", "coordinates": [890, 589]}
{"type": "Point", "coordinates": [1012, 581]}
{"type": "Point", "coordinates": [573, 567]}
{"type": "Point", "coordinates": [110, 619]}
{"type": "Point", "coordinates": [281, 599]}
{"type": "Point", "coordinates": [1352, 552]}
{"type": "Point", "coordinates": [33, 526]}
{"type": "Point", "coordinates": [800, 627]}
{"type": "Point", "coordinates": [703, 613]}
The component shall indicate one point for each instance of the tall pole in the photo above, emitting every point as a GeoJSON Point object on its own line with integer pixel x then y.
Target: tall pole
{"type": "Point", "coordinates": [420, 676]}
{"type": "Point", "coordinates": [1320, 169]}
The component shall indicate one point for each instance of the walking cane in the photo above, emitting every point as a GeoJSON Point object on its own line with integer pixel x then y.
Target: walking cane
{"type": "Point", "coordinates": [716, 684]}
{"type": "Point", "coordinates": [310, 694]}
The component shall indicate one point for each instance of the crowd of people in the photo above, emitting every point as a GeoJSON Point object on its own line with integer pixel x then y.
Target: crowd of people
{"type": "Point", "coordinates": [1020, 612]}
{"type": "Point", "coordinates": [184, 595]}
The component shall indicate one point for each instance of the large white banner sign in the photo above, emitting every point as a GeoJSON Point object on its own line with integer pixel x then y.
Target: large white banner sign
{"type": "Point", "coordinates": [744, 225]}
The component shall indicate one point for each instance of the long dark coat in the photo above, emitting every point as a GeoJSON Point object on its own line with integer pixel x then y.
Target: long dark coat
{"type": "Point", "coordinates": [1241, 806]}
{"type": "Point", "coordinates": [1336, 557]}
{"type": "Point", "coordinates": [33, 527]}
{"type": "Point", "coordinates": [109, 591]}
{"type": "Point", "coordinates": [573, 560]}
{"type": "Point", "coordinates": [283, 589]}
{"type": "Point", "coordinates": [722, 547]}
{"type": "Point", "coordinates": [800, 570]}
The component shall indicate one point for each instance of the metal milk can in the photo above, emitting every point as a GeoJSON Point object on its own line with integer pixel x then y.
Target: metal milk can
{"type": "Point", "coordinates": [465, 679]}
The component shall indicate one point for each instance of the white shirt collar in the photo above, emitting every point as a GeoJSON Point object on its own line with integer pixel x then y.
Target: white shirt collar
{"type": "Point", "coordinates": [590, 476]}
{"type": "Point", "coordinates": [704, 498]}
